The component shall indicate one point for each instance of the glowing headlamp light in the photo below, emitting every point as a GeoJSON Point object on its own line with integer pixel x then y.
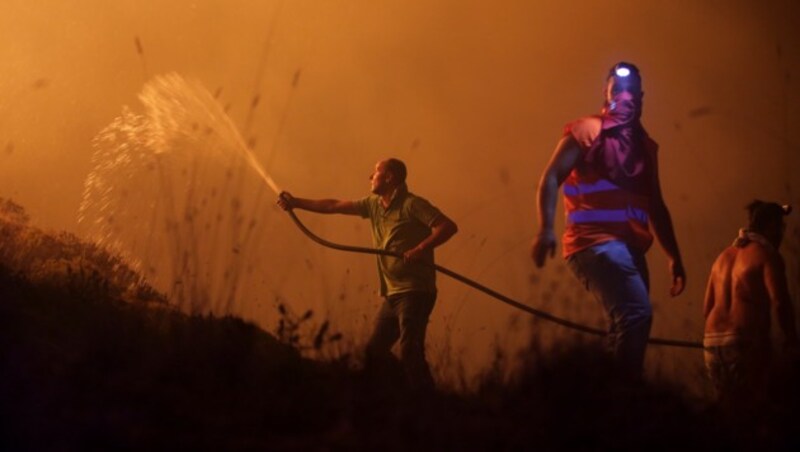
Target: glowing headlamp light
{"type": "Point", "coordinates": [622, 72]}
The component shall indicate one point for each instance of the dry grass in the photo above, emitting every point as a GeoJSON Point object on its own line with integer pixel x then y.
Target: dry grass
{"type": "Point", "coordinates": [85, 366]}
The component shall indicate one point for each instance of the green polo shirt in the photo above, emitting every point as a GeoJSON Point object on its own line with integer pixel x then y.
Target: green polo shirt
{"type": "Point", "coordinates": [400, 227]}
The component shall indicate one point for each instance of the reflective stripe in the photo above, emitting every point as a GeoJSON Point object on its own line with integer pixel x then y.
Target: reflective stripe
{"type": "Point", "coordinates": [607, 216]}
{"type": "Point", "coordinates": [586, 188]}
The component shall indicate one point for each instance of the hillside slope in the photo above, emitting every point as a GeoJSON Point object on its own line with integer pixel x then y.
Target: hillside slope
{"type": "Point", "coordinates": [92, 358]}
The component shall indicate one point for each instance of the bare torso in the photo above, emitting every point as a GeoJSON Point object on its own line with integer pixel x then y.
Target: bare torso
{"type": "Point", "coordinates": [737, 298]}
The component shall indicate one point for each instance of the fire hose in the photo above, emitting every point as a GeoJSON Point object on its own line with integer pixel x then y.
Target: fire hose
{"type": "Point", "coordinates": [492, 293]}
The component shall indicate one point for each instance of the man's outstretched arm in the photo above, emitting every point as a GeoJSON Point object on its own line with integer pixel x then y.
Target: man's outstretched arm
{"type": "Point", "coordinates": [564, 159]}
{"type": "Point", "coordinates": [287, 202]}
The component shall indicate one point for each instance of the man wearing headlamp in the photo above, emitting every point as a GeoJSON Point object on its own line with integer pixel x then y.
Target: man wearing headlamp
{"type": "Point", "coordinates": [608, 167]}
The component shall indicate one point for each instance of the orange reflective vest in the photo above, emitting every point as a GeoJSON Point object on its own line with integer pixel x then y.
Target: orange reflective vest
{"type": "Point", "coordinates": [599, 210]}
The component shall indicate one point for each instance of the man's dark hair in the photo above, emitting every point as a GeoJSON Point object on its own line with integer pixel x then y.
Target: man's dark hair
{"type": "Point", "coordinates": [398, 168]}
{"type": "Point", "coordinates": [763, 214]}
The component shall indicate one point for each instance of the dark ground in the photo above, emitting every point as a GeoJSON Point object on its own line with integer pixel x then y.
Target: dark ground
{"type": "Point", "coordinates": [87, 363]}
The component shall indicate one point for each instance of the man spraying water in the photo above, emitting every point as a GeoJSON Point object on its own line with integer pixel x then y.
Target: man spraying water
{"type": "Point", "coordinates": [405, 224]}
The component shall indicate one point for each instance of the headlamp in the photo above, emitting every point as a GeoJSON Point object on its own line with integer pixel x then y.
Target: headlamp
{"type": "Point", "coordinates": [622, 71]}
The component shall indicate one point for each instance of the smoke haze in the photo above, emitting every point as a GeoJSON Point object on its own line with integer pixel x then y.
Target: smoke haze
{"type": "Point", "coordinates": [472, 96]}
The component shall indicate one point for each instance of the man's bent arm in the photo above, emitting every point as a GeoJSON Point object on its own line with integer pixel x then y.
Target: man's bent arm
{"type": "Point", "coordinates": [564, 159]}
{"type": "Point", "coordinates": [665, 233]}
{"type": "Point", "coordinates": [441, 230]}
{"type": "Point", "coordinates": [775, 280]}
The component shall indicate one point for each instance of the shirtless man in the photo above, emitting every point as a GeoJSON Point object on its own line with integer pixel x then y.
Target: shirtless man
{"type": "Point", "coordinates": [746, 279]}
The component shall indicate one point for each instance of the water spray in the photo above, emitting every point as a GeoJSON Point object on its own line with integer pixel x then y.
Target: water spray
{"type": "Point", "coordinates": [164, 192]}
{"type": "Point", "coordinates": [253, 162]}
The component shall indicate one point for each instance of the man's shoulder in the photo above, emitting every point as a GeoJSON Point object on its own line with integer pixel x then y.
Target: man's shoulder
{"type": "Point", "coordinates": [585, 130]}
{"type": "Point", "coordinates": [756, 255]}
{"type": "Point", "coordinates": [369, 202]}
{"type": "Point", "coordinates": [587, 120]}
{"type": "Point", "coordinates": [420, 207]}
{"type": "Point", "coordinates": [371, 198]}
{"type": "Point", "coordinates": [726, 257]}
{"type": "Point", "coordinates": [410, 198]}
{"type": "Point", "coordinates": [766, 253]}
{"type": "Point", "coordinates": [732, 260]}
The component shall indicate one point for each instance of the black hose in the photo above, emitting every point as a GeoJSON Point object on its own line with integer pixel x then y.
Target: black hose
{"type": "Point", "coordinates": [523, 307]}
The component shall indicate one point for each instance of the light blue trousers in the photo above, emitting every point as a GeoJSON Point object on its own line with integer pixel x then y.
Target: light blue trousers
{"type": "Point", "coordinates": [619, 279]}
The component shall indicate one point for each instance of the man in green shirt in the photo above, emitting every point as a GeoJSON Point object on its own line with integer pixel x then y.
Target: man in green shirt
{"type": "Point", "coordinates": [409, 225]}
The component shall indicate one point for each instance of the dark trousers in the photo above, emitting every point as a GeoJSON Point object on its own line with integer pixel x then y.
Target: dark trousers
{"type": "Point", "coordinates": [403, 317]}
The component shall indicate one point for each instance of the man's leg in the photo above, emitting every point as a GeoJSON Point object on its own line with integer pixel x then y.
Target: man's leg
{"type": "Point", "coordinates": [737, 370]}
{"type": "Point", "coordinates": [715, 369]}
{"type": "Point", "coordinates": [587, 265]}
{"type": "Point", "coordinates": [384, 334]}
{"type": "Point", "coordinates": [619, 280]}
{"type": "Point", "coordinates": [414, 310]}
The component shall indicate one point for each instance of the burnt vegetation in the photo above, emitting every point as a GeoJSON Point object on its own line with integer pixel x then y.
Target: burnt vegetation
{"type": "Point", "coordinates": [91, 357]}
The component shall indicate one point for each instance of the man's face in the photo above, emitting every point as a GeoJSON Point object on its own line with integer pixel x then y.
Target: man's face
{"type": "Point", "coordinates": [624, 86]}
{"type": "Point", "coordinates": [380, 179]}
